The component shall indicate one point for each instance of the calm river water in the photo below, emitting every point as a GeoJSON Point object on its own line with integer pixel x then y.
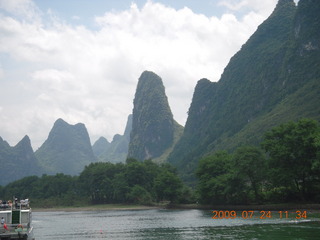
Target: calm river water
{"type": "Point", "coordinates": [167, 224]}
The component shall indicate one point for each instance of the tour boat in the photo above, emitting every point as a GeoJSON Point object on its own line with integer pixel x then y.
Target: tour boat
{"type": "Point", "coordinates": [16, 220]}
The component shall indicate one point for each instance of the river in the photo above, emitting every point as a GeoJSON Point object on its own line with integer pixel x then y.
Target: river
{"type": "Point", "coordinates": [165, 224]}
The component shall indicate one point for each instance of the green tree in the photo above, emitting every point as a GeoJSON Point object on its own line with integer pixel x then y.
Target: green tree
{"type": "Point", "coordinates": [167, 186]}
{"type": "Point", "coordinates": [96, 181]}
{"type": "Point", "coordinates": [293, 161]}
{"type": "Point", "coordinates": [249, 163]}
{"type": "Point", "coordinates": [121, 188]}
{"type": "Point", "coordinates": [213, 173]}
{"type": "Point", "coordinates": [24, 188]}
{"type": "Point", "coordinates": [139, 195]}
{"type": "Point", "coordinates": [138, 174]}
{"type": "Point", "coordinates": [187, 195]}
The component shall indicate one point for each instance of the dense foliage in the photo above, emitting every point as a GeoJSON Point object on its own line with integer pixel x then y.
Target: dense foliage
{"type": "Point", "coordinates": [134, 182]}
{"type": "Point", "coordinates": [294, 157]}
{"type": "Point", "coordinates": [288, 171]}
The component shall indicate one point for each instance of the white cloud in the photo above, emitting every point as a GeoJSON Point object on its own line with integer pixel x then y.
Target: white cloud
{"type": "Point", "coordinates": [1, 72]}
{"type": "Point", "coordinates": [261, 7]}
{"type": "Point", "coordinates": [76, 17]}
{"type": "Point", "coordinates": [25, 9]}
{"type": "Point", "coordinates": [90, 76]}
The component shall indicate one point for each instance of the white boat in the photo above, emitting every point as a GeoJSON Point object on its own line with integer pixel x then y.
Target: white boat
{"type": "Point", "coordinates": [16, 219]}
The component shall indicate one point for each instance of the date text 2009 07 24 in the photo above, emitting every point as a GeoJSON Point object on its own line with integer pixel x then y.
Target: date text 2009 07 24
{"type": "Point", "coordinates": [258, 214]}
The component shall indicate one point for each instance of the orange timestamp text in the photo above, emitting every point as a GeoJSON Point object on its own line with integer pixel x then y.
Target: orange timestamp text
{"type": "Point", "coordinates": [258, 214]}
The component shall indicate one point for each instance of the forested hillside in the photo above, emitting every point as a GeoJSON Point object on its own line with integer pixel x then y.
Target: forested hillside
{"type": "Point", "coordinates": [274, 78]}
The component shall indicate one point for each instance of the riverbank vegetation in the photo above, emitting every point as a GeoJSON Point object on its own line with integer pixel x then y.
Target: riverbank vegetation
{"type": "Point", "coordinates": [134, 182]}
{"type": "Point", "coordinates": [285, 168]}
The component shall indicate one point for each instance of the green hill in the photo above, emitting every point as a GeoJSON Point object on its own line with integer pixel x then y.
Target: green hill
{"type": "Point", "coordinates": [272, 79]}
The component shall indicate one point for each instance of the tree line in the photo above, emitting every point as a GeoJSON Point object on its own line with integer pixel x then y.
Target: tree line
{"type": "Point", "coordinates": [285, 168]}
{"type": "Point", "coordinates": [133, 182]}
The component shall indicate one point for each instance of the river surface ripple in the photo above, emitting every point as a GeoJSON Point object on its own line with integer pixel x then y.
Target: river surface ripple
{"type": "Point", "coordinates": [163, 224]}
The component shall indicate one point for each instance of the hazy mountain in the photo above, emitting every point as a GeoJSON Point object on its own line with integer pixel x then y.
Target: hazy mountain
{"type": "Point", "coordinates": [67, 149]}
{"type": "Point", "coordinates": [274, 78]}
{"type": "Point", "coordinates": [117, 150]}
{"type": "Point", "coordinates": [18, 161]}
{"type": "Point", "coordinates": [154, 131]}
{"type": "Point", "coordinates": [100, 147]}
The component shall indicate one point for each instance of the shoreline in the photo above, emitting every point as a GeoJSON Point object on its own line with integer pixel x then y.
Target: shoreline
{"type": "Point", "coordinates": [119, 207]}
{"type": "Point", "coordinates": [103, 207]}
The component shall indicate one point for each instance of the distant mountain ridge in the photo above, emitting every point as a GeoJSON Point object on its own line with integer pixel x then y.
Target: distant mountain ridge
{"type": "Point", "coordinates": [117, 150]}
{"type": "Point", "coordinates": [274, 78]}
{"type": "Point", "coordinates": [100, 147]}
{"type": "Point", "coordinates": [18, 161]}
{"type": "Point", "coordinates": [67, 149]}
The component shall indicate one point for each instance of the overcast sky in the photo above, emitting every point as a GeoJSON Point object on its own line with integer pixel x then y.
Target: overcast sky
{"type": "Point", "coordinates": [80, 60]}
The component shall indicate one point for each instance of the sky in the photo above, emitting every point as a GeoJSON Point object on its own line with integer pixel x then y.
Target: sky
{"type": "Point", "coordinates": [80, 60]}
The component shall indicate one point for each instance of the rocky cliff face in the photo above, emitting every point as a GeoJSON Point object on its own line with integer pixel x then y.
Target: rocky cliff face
{"type": "Point", "coordinates": [18, 161]}
{"type": "Point", "coordinates": [153, 126]}
{"type": "Point", "coordinates": [274, 78]}
{"type": "Point", "coordinates": [67, 149]}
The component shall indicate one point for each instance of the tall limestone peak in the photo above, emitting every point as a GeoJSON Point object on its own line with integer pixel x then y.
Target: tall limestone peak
{"type": "Point", "coordinates": [24, 146]}
{"type": "Point", "coordinates": [3, 144]}
{"type": "Point", "coordinates": [306, 26]}
{"type": "Point", "coordinates": [127, 130]}
{"type": "Point", "coordinates": [66, 150]}
{"type": "Point", "coordinates": [282, 10]}
{"type": "Point", "coordinates": [282, 3]}
{"type": "Point", "coordinates": [153, 126]}
{"type": "Point", "coordinates": [25, 141]}
{"type": "Point", "coordinates": [25, 154]}
{"type": "Point", "coordinates": [63, 133]}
